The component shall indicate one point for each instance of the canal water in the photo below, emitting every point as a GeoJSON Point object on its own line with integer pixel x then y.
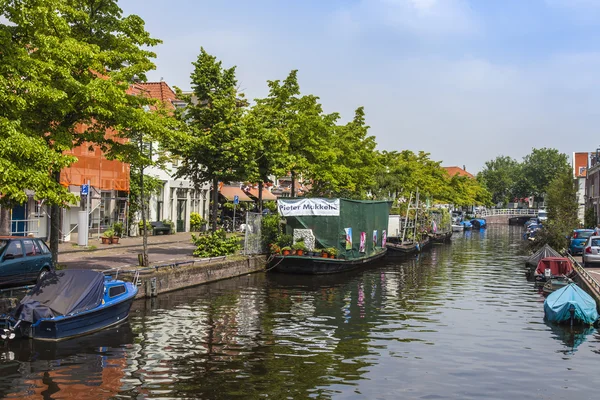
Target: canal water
{"type": "Point", "coordinates": [457, 322]}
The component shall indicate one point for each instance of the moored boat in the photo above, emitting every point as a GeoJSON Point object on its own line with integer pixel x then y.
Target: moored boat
{"type": "Point", "coordinates": [532, 262]}
{"type": "Point", "coordinates": [553, 267]}
{"type": "Point", "coordinates": [570, 304]}
{"type": "Point", "coordinates": [440, 237]}
{"type": "Point", "coordinates": [70, 303]}
{"type": "Point", "coordinates": [466, 225]}
{"type": "Point", "coordinates": [457, 227]}
{"type": "Point", "coordinates": [478, 223]}
{"type": "Point", "coordinates": [556, 283]}
{"type": "Point", "coordinates": [356, 231]}
{"type": "Point", "coordinates": [402, 249]}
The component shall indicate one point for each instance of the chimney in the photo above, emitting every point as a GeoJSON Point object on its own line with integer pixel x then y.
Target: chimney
{"type": "Point", "coordinates": [465, 168]}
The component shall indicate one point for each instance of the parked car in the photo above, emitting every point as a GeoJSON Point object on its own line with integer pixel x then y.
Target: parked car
{"type": "Point", "coordinates": [23, 260]}
{"type": "Point", "coordinates": [578, 239]}
{"type": "Point", "coordinates": [532, 221]}
{"type": "Point", "coordinates": [542, 215]}
{"type": "Point", "coordinates": [591, 251]}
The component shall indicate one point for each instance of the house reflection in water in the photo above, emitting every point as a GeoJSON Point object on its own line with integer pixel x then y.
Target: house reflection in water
{"type": "Point", "coordinates": [75, 369]}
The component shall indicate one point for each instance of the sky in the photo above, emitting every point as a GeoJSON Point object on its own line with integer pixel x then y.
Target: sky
{"type": "Point", "coordinates": [464, 80]}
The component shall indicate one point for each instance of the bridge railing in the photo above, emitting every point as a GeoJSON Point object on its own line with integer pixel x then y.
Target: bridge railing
{"type": "Point", "coordinates": [508, 211]}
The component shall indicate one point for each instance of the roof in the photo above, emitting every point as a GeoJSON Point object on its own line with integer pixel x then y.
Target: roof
{"type": "Point", "coordinates": [229, 191]}
{"type": "Point", "coordinates": [159, 90]}
{"type": "Point", "coordinates": [266, 195]}
{"type": "Point", "coordinates": [457, 170]}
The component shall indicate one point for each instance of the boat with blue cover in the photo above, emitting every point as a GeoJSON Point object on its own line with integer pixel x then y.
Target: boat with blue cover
{"type": "Point", "coordinates": [70, 303]}
{"type": "Point", "coordinates": [466, 225]}
{"type": "Point", "coordinates": [570, 304]}
{"type": "Point", "coordinates": [479, 223]}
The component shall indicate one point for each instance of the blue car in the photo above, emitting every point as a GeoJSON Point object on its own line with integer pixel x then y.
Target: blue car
{"type": "Point", "coordinates": [578, 239]}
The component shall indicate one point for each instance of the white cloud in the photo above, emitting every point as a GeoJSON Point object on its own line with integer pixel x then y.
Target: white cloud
{"type": "Point", "coordinates": [419, 17]}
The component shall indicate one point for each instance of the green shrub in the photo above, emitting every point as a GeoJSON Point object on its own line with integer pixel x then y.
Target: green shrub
{"type": "Point", "coordinates": [215, 244]}
{"type": "Point", "coordinates": [118, 228]}
{"type": "Point", "coordinates": [196, 222]}
{"type": "Point", "coordinates": [270, 205]}
{"type": "Point", "coordinates": [108, 233]}
{"type": "Point", "coordinates": [270, 229]}
{"type": "Point", "coordinates": [299, 246]}
{"type": "Point", "coordinates": [141, 225]}
{"type": "Point", "coordinates": [169, 223]}
{"type": "Point", "coordinates": [285, 240]}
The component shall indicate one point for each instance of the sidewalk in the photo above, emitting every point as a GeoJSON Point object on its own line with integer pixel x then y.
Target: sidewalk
{"type": "Point", "coordinates": [162, 249]}
{"type": "Point", "coordinates": [95, 244]}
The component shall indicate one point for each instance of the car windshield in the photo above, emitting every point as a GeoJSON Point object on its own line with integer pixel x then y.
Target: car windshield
{"type": "Point", "coordinates": [542, 214]}
{"type": "Point", "coordinates": [595, 242]}
{"type": "Point", "coordinates": [584, 234]}
{"type": "Point", "coordinates": [3, 243]}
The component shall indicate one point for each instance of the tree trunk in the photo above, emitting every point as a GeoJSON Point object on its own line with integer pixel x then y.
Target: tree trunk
{"type": "Point", "coordinates": [293, 193]}
{"type": "Point", "coordinates": [260, 197]}
{"type": "Point", "coordinates": [55, 226]}
{"type": "Point", "coordinates": [215, 204]}
{"type": "Point", "coordinates": [145, 260]}
{"type": "Point", "coordinates": [54, 232]}
{"type": "Point", "coordinates": [5, 220]}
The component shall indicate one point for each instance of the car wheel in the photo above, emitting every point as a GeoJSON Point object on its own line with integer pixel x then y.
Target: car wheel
{"type": "Point", "coordinates": [43, 273]}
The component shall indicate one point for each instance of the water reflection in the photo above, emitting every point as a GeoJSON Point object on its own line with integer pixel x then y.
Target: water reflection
{"type": "Point", "coordinates": [458, 321]}
{"type": "Point", "coordinates": [88, 367]}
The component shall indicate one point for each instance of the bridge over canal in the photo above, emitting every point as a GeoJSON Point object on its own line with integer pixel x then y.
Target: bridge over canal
{"type": "Point", "coordinates": [503, 215]}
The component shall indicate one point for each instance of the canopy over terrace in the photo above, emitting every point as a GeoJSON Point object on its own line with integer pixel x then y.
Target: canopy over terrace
{"type": "Point", "coordinates": [229, 192]}
{"type": "Point", "coordinates": [266, 195]}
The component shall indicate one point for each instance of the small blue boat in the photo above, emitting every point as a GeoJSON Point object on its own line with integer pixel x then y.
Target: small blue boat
{"type": "Point", "coordinates": [70, 303]}
{"type": "Point", "coordinates": [466, 225]}
{"type": "Point", "coordinates": [479, 223]}
{"type": "Point", "coordinates": [570, 304]}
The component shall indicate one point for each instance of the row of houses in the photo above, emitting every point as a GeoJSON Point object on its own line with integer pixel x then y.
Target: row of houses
{"type": "Point", "coordinates": [107, 184]}
{"type": "Point", "coordinates": [586, 171]}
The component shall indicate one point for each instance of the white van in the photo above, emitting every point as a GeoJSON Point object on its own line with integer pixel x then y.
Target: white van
{"type": "Point", "coordinates": [542, 215]}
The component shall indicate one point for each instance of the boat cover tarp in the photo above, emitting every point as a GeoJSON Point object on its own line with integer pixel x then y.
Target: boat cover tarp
{"type": "Point", "coordinates": [557, 304]}
{"type": "Point", "coordinates": [61, 293]}
{"type": "Point", "coordinates": [478, 222]}
{"type": "Point", "coordinates": [558, 266]}
{"type": "Point", "coordinates": [544, 252]}
{"type": "Point", "coordinates": [370, 217]}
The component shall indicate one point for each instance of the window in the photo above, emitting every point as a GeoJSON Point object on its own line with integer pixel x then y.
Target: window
{"type": "Point", "coordinates": [43, 248]}
{"type": "Point", "coordinates": [14, 249]}
{"type": "Point", "coordinates": [595, 242]}
{"type": "Point", "coordinates": [116, 290]}
{"type": "Point", "coordinates": [31, 248]}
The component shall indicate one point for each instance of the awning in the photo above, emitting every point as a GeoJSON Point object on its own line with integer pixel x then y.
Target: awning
{"type": "Point", "coordinates": [230, 191]}
{"type": "Point", "coordinates": [266, 195]}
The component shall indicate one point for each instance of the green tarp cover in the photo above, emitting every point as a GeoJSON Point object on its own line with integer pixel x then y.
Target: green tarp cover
{"type": "Point", "coordinates": [329, 230]}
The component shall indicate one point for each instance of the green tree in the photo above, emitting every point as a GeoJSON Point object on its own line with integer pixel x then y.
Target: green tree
{"type": "Point", "coordinates": [350, 164]}
{"type": "Point", "coordinates": [540, 167]}
{"type": "Point", "coordinates": [498, 176]}
{"type": "Point", "coordinates": [562, 212]}
{"type": "Point", "coordinates": [70, 62]}
{"type": "Point", "coordinates": [218, 147]}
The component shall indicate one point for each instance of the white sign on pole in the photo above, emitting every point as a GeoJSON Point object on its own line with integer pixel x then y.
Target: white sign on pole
{"type": "Point", "coordinates": [306, 207]}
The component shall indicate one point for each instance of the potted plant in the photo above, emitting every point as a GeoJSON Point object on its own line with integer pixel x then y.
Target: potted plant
{"type": "Point", "coordinates": [274, 248]}
{"type": "Point", "coordinates": [299, 247]}
{"type": "Point", "coordinates": [286, 250]}
{"type": "Point", "coordinates": [107, 236]}
{"type": "Point", "coordinates": [323, 253]}
{"type": "Point", "coordinates": [332, 251]}
{"type": "Point", "coordinates": [118, 232]}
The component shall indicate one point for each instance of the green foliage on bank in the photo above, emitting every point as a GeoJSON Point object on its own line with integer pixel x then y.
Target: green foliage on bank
{"type": "Point", "coordinates": [215, 244]}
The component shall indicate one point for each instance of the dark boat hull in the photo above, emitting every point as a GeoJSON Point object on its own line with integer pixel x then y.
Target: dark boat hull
{"type": "Point", "coordinates": [78, 324]}
{"type": "Point", "coordinates": [319, 265]}
{"type": "Point", "coordinates": [401, 250]}
{"type": "Point", "coordinates": [440, 237]}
